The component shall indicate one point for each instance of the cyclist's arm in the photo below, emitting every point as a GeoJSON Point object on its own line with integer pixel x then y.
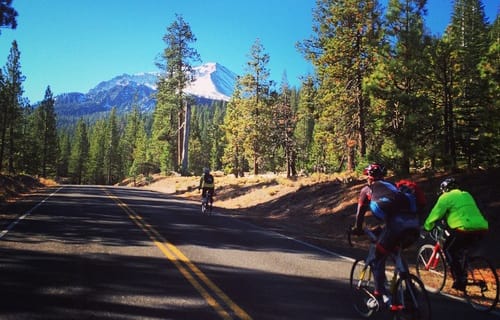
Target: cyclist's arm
{"type": "Point", "coordinates": [437, 213]}
{"type": "Point", "coordinates": [363, 205]}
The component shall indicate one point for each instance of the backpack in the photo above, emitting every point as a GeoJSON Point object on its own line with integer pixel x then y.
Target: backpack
{"type": "Point", "coordinates": [414, 194]}
{"type": "Point", "coordinates": [208, 179]}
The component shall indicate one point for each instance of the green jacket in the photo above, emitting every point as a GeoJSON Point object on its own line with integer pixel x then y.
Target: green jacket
{"type": "Point", "coordinates": [460, 211]}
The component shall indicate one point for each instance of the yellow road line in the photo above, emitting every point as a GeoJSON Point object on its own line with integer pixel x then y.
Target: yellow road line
{"type": "Point", "coordinates": [184, 265]}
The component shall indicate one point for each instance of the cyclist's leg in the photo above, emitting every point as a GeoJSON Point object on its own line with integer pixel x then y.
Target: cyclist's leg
{"type": "Point", "coordinates": [462, 241]}
{"type": "Point", "coordinates": [384, 246]}
{"type": "Point", "coordinates": [453, 249]}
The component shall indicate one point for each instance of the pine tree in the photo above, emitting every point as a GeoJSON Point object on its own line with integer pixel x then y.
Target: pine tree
{"type": "Point", "coordinates": [490, 72]}
{"type": "Point", "coordinates": [133, 124]}
{"type": "Point", "coordinates": [112, 156]}
{"type": "Point", "coordinates": [64, 155]}
{"type": "Point", "coordinates": [173, 105]}
{"type": "Point", "coordinates": [8, 14]}
{"type": "Point", "coordinates": [234, 128]}
{"type": "Point", "coordinates": [96, 173]}
{"type": "Point", "coordinates": [469, 39]}
{"type": "Point", "coordinates": [141, 163]}
{"type": "Point", "coordinates": [283, 126]}
{"type": "Point", "coordinates": [216, 134]}
{"type": "Point", "coordinates": [343, 51]}
{"type": "Point", "coordinates": [402, 104]}
{"type": "Point", "coordinates": [305, 123]}
{"type": "Point", "coordinates": [79, 153]}
{"type": "Point", "coordinates": [48, 133]}
{"type": "Point", "coordinates": [255, 104]}
{"type": "Point", "coordinates": [12, 104]}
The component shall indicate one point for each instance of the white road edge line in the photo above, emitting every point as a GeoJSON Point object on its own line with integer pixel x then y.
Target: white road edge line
{"type": "Point", "coordinates": [27, 213]}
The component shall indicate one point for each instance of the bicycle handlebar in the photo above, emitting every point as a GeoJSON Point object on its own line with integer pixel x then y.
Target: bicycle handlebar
{"type": "Point", "coordinates": [366, 230]}
{"type": "Point", "coordinates": [439, 232]}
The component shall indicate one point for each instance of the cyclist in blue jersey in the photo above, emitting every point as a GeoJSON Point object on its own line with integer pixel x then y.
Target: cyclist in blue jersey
{"type": "Point", "coordinates": [400, 224]}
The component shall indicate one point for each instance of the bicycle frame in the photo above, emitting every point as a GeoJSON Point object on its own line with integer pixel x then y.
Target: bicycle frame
{"type": "Point", "coordinates": [409, 298]}
{"type": "Point", "coordinates": [434, 259]}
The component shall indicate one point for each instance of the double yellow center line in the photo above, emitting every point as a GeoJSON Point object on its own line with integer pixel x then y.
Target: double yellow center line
{"type": "Point", "coordinates": [213, 295]}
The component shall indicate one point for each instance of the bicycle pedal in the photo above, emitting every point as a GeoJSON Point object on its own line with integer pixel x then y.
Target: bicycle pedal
{"type": "Point", "coordinates": [372, 303]}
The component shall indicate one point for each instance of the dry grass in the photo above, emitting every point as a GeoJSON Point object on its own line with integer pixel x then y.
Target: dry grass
{"type": "Point", "coordinates": [243, 192]}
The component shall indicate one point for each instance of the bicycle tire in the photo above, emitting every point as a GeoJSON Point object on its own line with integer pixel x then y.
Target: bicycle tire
{"type": "Point", "coordinates": [361, 286]}
{"type": "Point", "coordinates": [481, 290]}
{"type": "Point", "coordinates": [434, 278]}
{"type": "Point", "coordinates": [412, 296]}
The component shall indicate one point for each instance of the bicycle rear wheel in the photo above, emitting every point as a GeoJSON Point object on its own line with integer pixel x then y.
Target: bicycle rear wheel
{"type": "Point", "coordinates": [203, 207]}
{"type": "Point", "coordinates": [481, 290]}
{"type": "Point", "coordinates": [413, 299]}
{"type": "Point", "coordinates": [362, 286]}
{"type": "Point", "coordinates": [431, 273]}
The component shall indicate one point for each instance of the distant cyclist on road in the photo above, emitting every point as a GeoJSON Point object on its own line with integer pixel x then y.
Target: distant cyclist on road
{"type": "Point", "coordinates": [206, 182]}
{"type": "Point", "coordinates": [392, 207]}
{"type": "Point", "coordinates": [463, 217]}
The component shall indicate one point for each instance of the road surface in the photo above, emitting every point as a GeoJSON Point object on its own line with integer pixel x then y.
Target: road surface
{"type": "Point", "coordinates": [94, 252]}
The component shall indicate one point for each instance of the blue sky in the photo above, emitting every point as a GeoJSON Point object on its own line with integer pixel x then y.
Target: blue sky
{"type": "Point", "coordinates": [72, 45]}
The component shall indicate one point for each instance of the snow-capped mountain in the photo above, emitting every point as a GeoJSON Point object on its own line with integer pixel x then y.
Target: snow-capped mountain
{"type": "Point", "coordinates": [212, 82]}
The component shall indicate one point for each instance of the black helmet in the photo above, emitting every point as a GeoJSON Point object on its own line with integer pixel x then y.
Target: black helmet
{"type": "Point", "coordinates": [375, 171]}
{"type": "Point", "coordinates": [447, 185]}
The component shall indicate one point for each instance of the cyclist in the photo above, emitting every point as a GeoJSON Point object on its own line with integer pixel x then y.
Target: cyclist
{"type": "Point", "coordinates": [393, 208]}
{"type": "Point", "coordinates": [466, 223]}
{"type": "Point", "coordinates": [206, 182]}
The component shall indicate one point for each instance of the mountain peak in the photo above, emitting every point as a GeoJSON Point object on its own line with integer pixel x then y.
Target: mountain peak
{"type": "Point", "coordinates": [212, 82]}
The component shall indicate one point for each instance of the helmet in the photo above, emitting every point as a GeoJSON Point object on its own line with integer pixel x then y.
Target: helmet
{"type": "Point", "coordinates": [375, 170]}
{"type": "Point", "coordinates": [447, 185]}
{"type": "Point", "coordinates": [206, 170]}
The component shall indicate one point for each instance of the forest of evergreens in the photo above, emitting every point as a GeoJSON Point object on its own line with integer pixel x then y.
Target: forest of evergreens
{"type": "Point", "coordinates": [383, 89]}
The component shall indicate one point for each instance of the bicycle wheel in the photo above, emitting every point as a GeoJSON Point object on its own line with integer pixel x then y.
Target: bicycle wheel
{"type": "Point", "coordinates": [413, 299]}
{"type": "Point", "coordinates": [431, 273]}
{"type": "Point", "coordinates": [481, 290]}
{"type": "Point", "coordinates": [362, 286]}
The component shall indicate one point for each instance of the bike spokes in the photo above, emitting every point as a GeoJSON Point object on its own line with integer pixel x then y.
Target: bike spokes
{"type": "Point", "coordinates": [481, 290]}
{"type": "Point", "coordinates": [431, 268]}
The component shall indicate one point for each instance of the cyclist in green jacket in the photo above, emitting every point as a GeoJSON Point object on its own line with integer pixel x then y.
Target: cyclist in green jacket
{"type": "Point", "coordinates": [466, 223]}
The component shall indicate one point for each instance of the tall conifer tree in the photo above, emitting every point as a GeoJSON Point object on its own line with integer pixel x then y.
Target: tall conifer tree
{"type": "Point", "coordinates": [255, 105]}
{"type": "Point", "coordinates": [170, 123]}
{"type": "Point", "coordinates": [402, 104]}
{"type": "Point", "coordinates": [48, 133]}
{"type": "Point", "coordinates": [12, 109]}
{"type": "Point", "coordinates": [79, 153]}
{"type": "Point", "coordinates": [469, 39]}
{"type": "Point", "coordinates": [343, 51]}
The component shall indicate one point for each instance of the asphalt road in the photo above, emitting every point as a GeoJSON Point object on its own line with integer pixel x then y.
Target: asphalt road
{"type": "Point", "coordinates": [92, 252]}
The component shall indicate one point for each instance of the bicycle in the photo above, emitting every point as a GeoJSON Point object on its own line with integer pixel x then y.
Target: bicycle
{"type": "Point", "coordinates": [207, 202]}
{"type": "Point", "coordinates": [409, 297]}
{"type": "Point", "coordinates": [481, 288]}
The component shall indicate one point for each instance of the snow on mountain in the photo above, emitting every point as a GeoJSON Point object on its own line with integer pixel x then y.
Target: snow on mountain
{"type": "Point", "coordinates": [212, 82]}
